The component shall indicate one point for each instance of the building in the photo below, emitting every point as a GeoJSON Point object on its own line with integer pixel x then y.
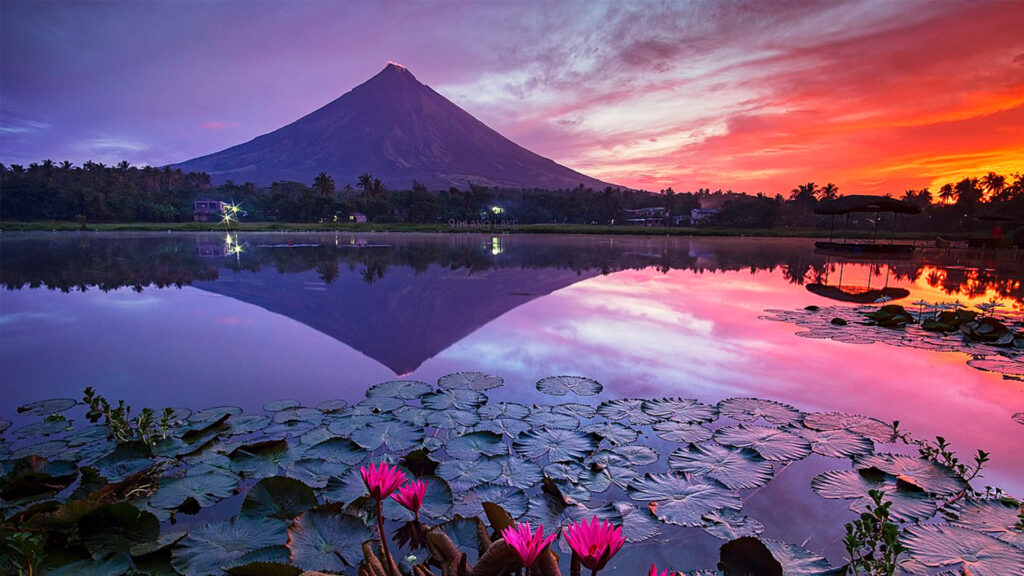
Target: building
{"type": "Point", "coordinates": [653, 216]}
{"type": "Point", "coordinates": [357, 217]}
{"type": "Point", "coordinates": [207, 210]}
{"type": "Point", "coordinates": [699, 214]}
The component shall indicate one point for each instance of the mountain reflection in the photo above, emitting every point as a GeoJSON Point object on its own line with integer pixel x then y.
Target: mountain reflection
{"type": "Point", "coordinates": [402, 299]}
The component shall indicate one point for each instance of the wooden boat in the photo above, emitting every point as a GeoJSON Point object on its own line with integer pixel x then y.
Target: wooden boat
{"type": "Point", "coordinates": [846, 205]}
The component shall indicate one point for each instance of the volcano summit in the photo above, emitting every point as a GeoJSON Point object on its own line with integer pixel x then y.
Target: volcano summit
{"type": "Point", "coordinates": [397, 129]}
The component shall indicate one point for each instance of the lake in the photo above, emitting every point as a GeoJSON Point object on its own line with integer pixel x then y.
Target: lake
{"type": "Point", "coordinates": [244, 319]}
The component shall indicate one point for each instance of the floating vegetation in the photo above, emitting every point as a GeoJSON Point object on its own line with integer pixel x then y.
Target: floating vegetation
{"type": "Point", "coordinates": [995, 344]}
{"type": "Point", "coordinates": [285, 492]}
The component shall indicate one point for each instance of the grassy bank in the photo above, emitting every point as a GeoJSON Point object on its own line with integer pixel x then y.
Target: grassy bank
{"type": "Point", "coordinates": [61, 226]}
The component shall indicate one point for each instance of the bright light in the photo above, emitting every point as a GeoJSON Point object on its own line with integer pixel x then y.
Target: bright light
{"type": "Point", "coordinates": [497, 209]}
{"type": "Point", "coordinates": [495, 245]}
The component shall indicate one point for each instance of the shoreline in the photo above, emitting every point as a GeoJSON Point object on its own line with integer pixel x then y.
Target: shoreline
{"type": "Point", "coordinates": [67, 226]}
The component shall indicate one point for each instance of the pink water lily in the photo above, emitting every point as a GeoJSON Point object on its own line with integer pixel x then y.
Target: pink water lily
{"type": "Point", "coordinates": [382, 480]}
{"type": "Point", "coordinates": [654, 572]}
{"type": "Point", "coordinates": [594, 543]}
{"type": "Point", "coordinates": [527, 545]}
{"type": "Point", "coordinates": [411, 495]}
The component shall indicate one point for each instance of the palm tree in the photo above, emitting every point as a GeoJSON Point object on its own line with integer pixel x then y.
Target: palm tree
{"type": "Point", "coordinates": [828, 192]}
{"type": "Point", "coordinates": [947, 194]}
{"type": "Point", "coordinates": [324, 185]}
{"type": "Point", "coordinates": [804, 193]}
{"type": "Point", "coordinates": [995, 184]}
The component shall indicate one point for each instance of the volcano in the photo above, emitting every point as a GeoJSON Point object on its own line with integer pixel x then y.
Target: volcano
{"type": "Point", "coordinates": [397, 129]}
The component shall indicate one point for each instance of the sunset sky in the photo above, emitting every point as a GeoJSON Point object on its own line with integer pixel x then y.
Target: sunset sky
{"type": "Point", "coordinates": [754, 96]}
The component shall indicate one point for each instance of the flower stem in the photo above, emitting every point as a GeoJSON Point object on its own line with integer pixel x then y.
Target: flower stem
{"type": "Point", "coordinates": [593, 572]}
{"type": "Point", "coordinates": [383, 538]}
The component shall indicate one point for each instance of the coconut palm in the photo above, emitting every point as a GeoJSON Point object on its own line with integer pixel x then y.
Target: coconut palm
{"type": "Point", "coordinates": [323, 184]}
{"type": "Point", "coordinates": [828, 192]}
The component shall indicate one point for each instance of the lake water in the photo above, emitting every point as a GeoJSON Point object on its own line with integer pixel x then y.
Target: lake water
{"type": "Point", "coordinates": [201, 320]}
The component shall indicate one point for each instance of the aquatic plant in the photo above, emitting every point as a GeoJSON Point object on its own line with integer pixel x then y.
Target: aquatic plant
{"type": "Point", "coordinates": [594, 543]}
{"type": "Point", "coordinates": [527, 544]}
{"type": "Point", "coordinates": [411, 496]}
{"type": "Point", "coordinates": [381, 481]}
{"type": "Point", "coordinates": [872, 541]}
{"type": "Point", "coordinates": [144, 428]}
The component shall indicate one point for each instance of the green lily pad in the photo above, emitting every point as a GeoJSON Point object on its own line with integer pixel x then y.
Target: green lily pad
{"type": "Point", "coordinates": [396, 435]}
{"type": "Point", "coordinates": [770, 443]}
{"type": "Point", "coordinates": [562, 385]}
{"type": "Point", "coordinates": [247, 424]}
{"type": "Point", "coordinates": [45, 407]}
{"type": "Point", "coordinates": [337, 449]}
{"type": "Point", "coordinates": [684, 432]}
{"type": "Point", "coordinates": [269, 561]}
{"type": "Point", "coordinates": [614, 432]}
{"type": "Point", "coordinates": [331, 406]}
{"type": "Point", "coordinates": [927, 475]}
{"type": "Point", "coordinates": [310, 416]}
{"type": "Point", "coordinates": [868, 427]}
{"type": "Point", "coordinates": [437, 502]}
{"type": "Point", "coordinates": [470, 380]}
{"type": "Point", "coordinates": [465, 474]}
{"type": "Point", "coordinates": [679, 410]}
{"type": "Point", "coordinates": [314, 472]}
{"type": "Point", "coordinates": [798, 561]}
{"type": "Point", "coordinates": [557, 444]}
{"type": "Point", "coordinates": [206, 489]}
{"type": "Point", "coordinates": [682, 501]}
{"type": "Point", "coordinates": [546, 417]}
{"type": "Point", "coordinates": [993, 516]}
{"type": "Point", "coordinates": [470, 502]}
{"type": "Point", "coordinates": [452, 419]}
{"type": "Point", "coordinates": [752, 409]}
{"type": "Point", "coordinates": [42, 428]}
{"type": "Point", "coordinates": [202, 418]}
{"type": "Point", "coordinates": [265, 458]}
{"type": "Point", "coordinates": [207, 548]}
{"type": "Point", "coordinates": [278, 405]}
{"type": "Point", "coordinates": [730, 524]}
{"type": "Point", "coordinates": [116, 528]}
{"type": "Point", "coordinates": [519, 472]}
{"type": "Point", "coordinates": [48, 449]}
{"type": "Point", "coordinates": [326, 539]}
{"type": "Point", "coordinates": [476, 445]}
{"type": "Point", "coordinates": [466, 534]}
{"type": "Point", "coordinates": [405, 389]}
{"type": "Point", "coordinates": [838, 443]}
{"type": "Point", "coordinates": [907, 503]}
{"type": "Point", "coordinates": [163, 542]}
{"type": "Point", "coordinates": [33, 476]}
{"type": "Point", "coordinates": [507, 418]}
{"type": "Point", "coordinates": [380, 404]}
{"type": "Point", "coordinates": [628, 408]}
{"type": "Point", "coordinates": [115, 565]}
{"type": "Point", "coordinates": [735, 468]}
{"type": "Point", "coordinates": [575, 409]}
{"type": "Point", "coordinates": [454, 398]}
{"type": "Point", "coordinates": [638, 522]}
{"type": "Point", "coordinates": [4, 425]}
{"type": "Point", "coordinates": [938, 545]}
{"type": "Point", "coordinates": [278, 497]}
{"type": "Point", "coordinates": [345, 424]}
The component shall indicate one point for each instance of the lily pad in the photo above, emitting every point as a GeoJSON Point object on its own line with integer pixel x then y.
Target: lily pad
{"type": "Point", "coordinates": [629, 408]}
{"type": "Point", "coordinates": [838, 443]}
{"type": "Point", "coordinates": [452, 419]}
{"type": "Point", "coordinates": [684, 432]}
{"type": "Point", "coordinates": [331, 406]}
{"type": "Point", "coordinates": [42, 428]}
{"type": "Point", "coordinates": [752, 409]}
{"type": "Point", "coordinates": [209, 547]}
{"type": "Point", "coordinates": [466, 534]}
{"type": "Point", "coordinates": [278, 405]}
{"type": "Point", "coordinates": [519, 472]}
{"type": "Point", "coordinates": [927, 475]}
{"type": "Point", "coordinates": [380, 404]}
{"type": "Point", "coordinates": [300, 415]}
{"type": "Point", "coordinates": [907, 503]}
{"type": "Point", "coordinates": [869, 427]}
{"type": "Point", "coordinates": [396, 435]}
{"type": "Point", "coordinates": [770, 443]}
{"type": "Point", "coordinates": [437, 502]}
{"type": "Point", "coordinates": [336, 449]}
{"type": "Point", "coordinates": [938, 545]}
{"type": "Point", "coordinates": [44, 407]}
{"type": "Point", "coordinates": [206, 489]}
{"type": "Point", "coordinates": [562, 385]}
{"type": "Point", "coordinates": [315, 472]}
{"type": "Point", "coordinates": [683, 501]}
{"type": "Point", "coordinates": [798, 561]}
{"type": "Point", "coordinates": [996, 516]}
{"type": "Point", "coordinates": [735, 468]}
{"type": "Point", "coordinates": [614, 432]}
{"type": "Point", "coordinates": [679, 410]}
{"type": "Point", "coordinates": [575, 409]}
{"type": "Point", "coordinates": [116, 528]}
{"type": "Point", "coordinates": [325, 539]}
{"type": "Point", "coordinates": [278, 497]}
{"type": "Point", "coordinates": [465, 474]}
{"type": "Point", "coordinates": [265, 458]}
{"type": "Point", "coordinates": [115, 565]}
{"type": "Point", "coordinates": [48, 449]}
{"type": "Point", "coordinates": [247, 424]}
{"type": "Point", "coordinates": [476, 445]}
{"type": "Point", "coordinates": [470, 502]}
{"type": "Point", "coordinates": [405, 389]}
{"type": "Point", "coordinates": [638, 522]}
{"type": "Point", "coordinates": [454, 398]}
{"type": "Point", "coordinates": [4, 425]}
{"type": "Point", "coordinates": [201, 418]}
{"type": "Point", "coordinates": [269, 561]}
{"type": "Point", "coordinates": [557, 444]}
{"type": "Point", "coordinates": [470, 380]}
{"type": "Point", "coordinates": [730, 524]}
{"type": "Point", "coordinates": [545, 417]}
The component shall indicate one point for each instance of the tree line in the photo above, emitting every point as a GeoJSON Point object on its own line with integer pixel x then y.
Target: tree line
{"type": "Point", "coordinates": [95, 192]}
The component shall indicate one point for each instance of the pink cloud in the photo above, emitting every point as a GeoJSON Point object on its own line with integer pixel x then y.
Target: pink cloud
{"type": "Point", "coordinates": [218, 125]}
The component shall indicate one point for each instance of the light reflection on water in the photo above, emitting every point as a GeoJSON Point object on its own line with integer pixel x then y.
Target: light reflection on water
{"type": "Point", "coordinates": [324, 316]}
